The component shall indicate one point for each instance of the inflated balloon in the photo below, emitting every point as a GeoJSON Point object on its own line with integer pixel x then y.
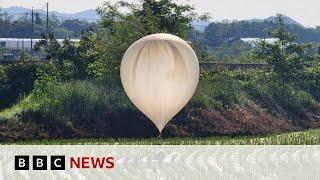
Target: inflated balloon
{"type": "Point", "coordinates": [160, 73]}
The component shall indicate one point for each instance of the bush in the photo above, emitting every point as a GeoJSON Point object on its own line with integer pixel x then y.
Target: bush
{"type": "Point", "coordinates": [312, 81]}
{"type": "Point", "coordinates": [266, 89]}
{"type": "Point", "coordinates": [16, 80]}
{"type": "Point", "coordinates": [218, 89]}
{"type": "Point", "coordinates": [48, 76]}
{"type": "Point", "coordinates": [91, 108]}
{"type": "Point", "coordinates": [81, 100]}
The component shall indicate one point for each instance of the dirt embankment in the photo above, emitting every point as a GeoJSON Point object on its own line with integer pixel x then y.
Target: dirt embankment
{"type": "Point", "coordinates": [249, 120]}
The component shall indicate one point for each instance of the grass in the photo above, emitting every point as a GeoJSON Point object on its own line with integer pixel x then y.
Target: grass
{"type": "Point", "coordinates": [85, 99]}
{"type": "Point", "coordinates": [81, 100]}
{"type": "Point", "coordinates": [16, 110]}
{"type": "Point", "coordinates": [310, 137]}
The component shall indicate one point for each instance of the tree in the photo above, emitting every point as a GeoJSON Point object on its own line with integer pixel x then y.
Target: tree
{"type": "Point", "coordinates": [38, 19]}
{"type": "Point", "coordinates": [100, 50]}
{"type": "Point", "coordinates": [75, 25]}
{"type": "Point", "coordinates": [286, 58]}
{"type": "Point", "coordinates": [70, 56]}
{"type": "Point", "coordinates": [123, 27]}
{"type": "Point", "coordinates": [50, 45]}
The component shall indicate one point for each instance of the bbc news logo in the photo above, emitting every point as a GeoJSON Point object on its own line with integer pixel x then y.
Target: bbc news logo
{"type": "Point", "coordinates": [59, 162]}
{"type": "Point", "coordinates": [39, 162]}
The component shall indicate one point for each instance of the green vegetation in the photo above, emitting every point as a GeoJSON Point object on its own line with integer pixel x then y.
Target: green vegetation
{"type": "Point", "coordinates": [79, 101]}
{"type": "Point", "coordinates": [219, 90]}
{"type": "Point", "coordinates": [311, 137]}
{"type": "Point", "coordinates": [22, 28]}
{"type": "Point", "coordinates": [3, 51]}
{"type": "Point", "coordinates": [222, 39]}
{"type": "Point", "coordinates": [15, 81]}
{"type": "Point", "coordinates": [77, 93]}
{"type": "Point", "coordinates": [120, 29]}
{"type": "Point", "coordinates": [235, 52]}
{"type": "Point", "coordinates": [16, 110]}
{"type": "Point", "coordinates": [217, 33]}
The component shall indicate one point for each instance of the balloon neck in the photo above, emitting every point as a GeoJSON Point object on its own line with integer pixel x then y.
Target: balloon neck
{"type": "Point", "coordinates": [159, 136]}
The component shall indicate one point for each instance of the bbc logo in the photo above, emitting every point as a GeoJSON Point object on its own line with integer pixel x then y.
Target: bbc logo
{"type": "Point", "coordinates": [39, 163]}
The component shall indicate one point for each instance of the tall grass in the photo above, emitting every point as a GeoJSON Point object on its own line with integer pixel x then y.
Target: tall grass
{"type": "Point", "coordinates": [14, 112]}
{"type": "Point", "coordinates": [265, 88]}
{"type": "Point", "coordinates": [99, 106]}
{"type": "Point", "coordinates": [16, 80]}
{"type": "Point", "coordinates": [82, 100]}
{"type": "Point", "coordinates": [218, 90]}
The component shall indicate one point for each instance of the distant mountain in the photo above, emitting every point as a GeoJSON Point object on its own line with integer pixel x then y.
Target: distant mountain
{"type": "Point", "coordinates": [91, 14]}
{"type": "Point", "coordinates": [88, 14]}
{"type": "Point", "coordinates": [19, 11]}
{"type": "Point", "coordinates": [14, 10]}
{"type": "Point", "coordinates": [287, 20]}
{"type": "Point", "coordinates": [200, 25]}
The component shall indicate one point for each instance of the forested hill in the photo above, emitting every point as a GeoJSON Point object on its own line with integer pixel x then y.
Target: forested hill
{"type": "Point", "coordinates": [217, 32]}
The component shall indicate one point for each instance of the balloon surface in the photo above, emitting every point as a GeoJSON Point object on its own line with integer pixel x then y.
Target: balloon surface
{"type": "Point", "coordinates": [160, 74]}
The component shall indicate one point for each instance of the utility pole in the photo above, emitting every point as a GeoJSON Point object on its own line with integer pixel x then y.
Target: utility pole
{"type": "Point", "coordinates": [5, 22]}
{"type": "Point", "coordinates": [32, 29]}
{"type": "Point", "coordinates": [5, 16]}
{"type": "Point", "coordinates": [47, 18]}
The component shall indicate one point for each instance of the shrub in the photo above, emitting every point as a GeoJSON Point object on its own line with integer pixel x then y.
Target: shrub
{"type": "Point", "coordinates": [82, 100]}
{"type": "Point", "coordinates": [93, 107]}
{"type": "Point", "coordinates": [265, 88]}
{"type": "Point", "coordinates": [16, 80]}
{"type": "Point", "coordinates": [48, 76]}
{"type": "Point", "coordinates": [312, 81]}
{"type": "Point", "coordinates": [218, 89]}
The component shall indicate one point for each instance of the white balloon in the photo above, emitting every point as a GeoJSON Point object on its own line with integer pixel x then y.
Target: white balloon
{"type": "Point", "coordinates": [160, 74]}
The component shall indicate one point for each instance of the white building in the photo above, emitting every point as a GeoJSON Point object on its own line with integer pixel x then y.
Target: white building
{"type": "Point", "coordinates": [254, 41]}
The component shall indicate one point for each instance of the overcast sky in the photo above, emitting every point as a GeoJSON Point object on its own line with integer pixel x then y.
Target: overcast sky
{"type": "Point", "coordinates": [306, 12]}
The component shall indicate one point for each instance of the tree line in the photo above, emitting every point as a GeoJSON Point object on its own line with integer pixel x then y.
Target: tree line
{"type": "Point", "coordinates": [21, 27]}
{"type": "Point", "coordinates": [217, 33]}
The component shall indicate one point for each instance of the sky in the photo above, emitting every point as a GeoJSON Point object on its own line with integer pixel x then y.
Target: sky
{"type": "Point", "coordinates": [306, 12]}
